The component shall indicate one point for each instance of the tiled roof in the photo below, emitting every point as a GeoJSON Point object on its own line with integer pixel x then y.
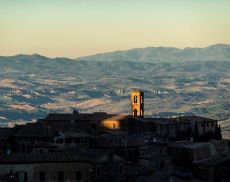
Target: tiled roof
{"type": "Point", "coordinates": [76, 133]}
{"type": "Point", "coordinates": [59, 117]}
{"type": "Point", "coordinates": [183, 119]}
{"type": "Point", "coordinates": [35, 130]}
{"type": "Point", "coordinates": [196, 119]}
{"type": "Point", "coordinates": [165, 121]}
{"type": "Point", "coordinates": [218, 159]}
{"type": "Point", "coordinates": [77, 155]}
{"type": "Point", "coordinates": [6, 132]}
{"type": "Point", "coordinates": [97, 116]}
{"type": "Point", "coordinates": [41, 158]}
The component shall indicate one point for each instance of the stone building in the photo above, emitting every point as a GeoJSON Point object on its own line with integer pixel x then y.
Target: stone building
{"type": "Point", "coordinates": [72, 166]}
{"type": "Point", "coordinates": [112, 147]}
{"type": "Point", "coordinates": [206, 126]}
{"type": "Point", "coordinates": [204, 159]}
{"type": "Point", "coordinates": [137, 103]}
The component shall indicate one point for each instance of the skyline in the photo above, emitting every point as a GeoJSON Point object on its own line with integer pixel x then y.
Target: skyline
{"type": "Point", "coordinates": [78, 28]}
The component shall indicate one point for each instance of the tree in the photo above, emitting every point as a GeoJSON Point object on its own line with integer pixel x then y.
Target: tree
{"type": "Point", "coordinates": [196, 133]}
{"type": "Point", "coordinates": [218, 135]}
{"type": "Point", "coordinates": [189, 133]}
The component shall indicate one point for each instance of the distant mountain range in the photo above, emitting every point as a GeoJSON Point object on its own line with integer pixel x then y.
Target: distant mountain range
{"type": "Point", "coordinates": [175, 82]}
{"type": "Point", "coordinates": [218, 52]}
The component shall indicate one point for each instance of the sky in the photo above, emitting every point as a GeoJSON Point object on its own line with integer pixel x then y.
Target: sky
{"type": "Point", "coordinates": [73, 28]}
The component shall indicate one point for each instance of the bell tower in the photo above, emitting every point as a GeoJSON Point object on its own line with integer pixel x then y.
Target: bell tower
{"type": "Point", "coordinates": [137, 103]}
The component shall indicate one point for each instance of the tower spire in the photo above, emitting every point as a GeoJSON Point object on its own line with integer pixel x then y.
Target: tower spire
{"type": "Point", "coordinates": [137, 103]}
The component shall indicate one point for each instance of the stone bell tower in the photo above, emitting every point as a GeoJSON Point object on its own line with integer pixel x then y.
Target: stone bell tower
{"type": "Point", "coordinates": [137, 103]}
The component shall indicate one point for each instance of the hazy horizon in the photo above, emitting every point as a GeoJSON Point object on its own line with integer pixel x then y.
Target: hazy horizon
{"type": "Point", "coordinates": [36, 53]}
{"type": "Point", "coordinates": [80, 28]}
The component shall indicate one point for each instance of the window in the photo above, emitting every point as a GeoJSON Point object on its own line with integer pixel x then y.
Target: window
{"type": "Point", "coordinates": [60, 176]}
{"type": "Point", "coordinates": [135, 112]}
{"type": "Point", "coordinates": [78, 176]}
{"type": "Point", "coordinates": [21, 176]}
{"type": "Point", "coordinates": [42, 176]}
{"type": "Point", "coordinates": [68, 140]}
{"type": "Point", "coordinates": [212, 124]}
{"type": "Point", "coordinates": [207, 124]}
{"type": "Point", "coordinates": [60, 141]}
{"type": "Point", "coordinates": [98, 170]}
{"type": "Point", "coordinates": [121, 169]}
{"type": "Point", "coordinates": [135, 99]}
{"type": "Point", "coordinates": [162, 164]}
{"type": "Point", "coordinates": [23, 147]}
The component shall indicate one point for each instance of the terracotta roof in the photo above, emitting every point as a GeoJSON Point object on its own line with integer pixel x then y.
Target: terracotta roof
{"type": "Point", "coordinates": [76, 133]}
{"type": "Point", "coordinates": [59, 117]}
{"type": "Point", "coordinates": [183, 119]}
{"type": "Point", "coordinates": [41, 158]}
{"type": "Point", "coordinates": [163, 121]}
{"type": "Point", "coordinates": [5, 133]}
{"type": "Point", "coordinates": [97, 116]}
{"type": "Point", "coordinates": [218, 159]}
{"type": "Point", "coordinates": [196, 119]}
{"type": "Point", "coordinates": [77, 155]}
{"type": "Point", "coordinates": [35, 130]}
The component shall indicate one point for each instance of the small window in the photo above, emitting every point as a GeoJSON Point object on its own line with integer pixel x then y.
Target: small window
{"type": "Point", "coordinates": [135, 99]}
{"type": "Point", "coordinates": [68, 140]}
{"type": "Point", "coordinates": [161, 151]}
{"type": "Point", "coordinates": [121, 169]}
{"type": "Point", "coordinates": [42, 176]}
{"type": "Point", "coordinates": [207, 124]}
{"type": "Point", "coordinates": [135, 112]}
{"type": "Point", "coordinates": [212, 124]}
{"type": "Point", "coordinates": [25, 176]}
{"type": "Point", "coordinates": [22, 176]}
{"type": "Point", "coordinates": [98, 170]}
{"type": "Point", "coordinates": [60, 176]}
{"type": "Point", "coordinates": [23, 147]}
{"type": "Point", "coordinates": [78, 176]}
{"type": "Point", "coordinates": [60, 141]}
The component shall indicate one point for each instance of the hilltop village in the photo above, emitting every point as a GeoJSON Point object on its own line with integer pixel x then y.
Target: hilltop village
{"type": "Point", "coordinates": [82, 147]}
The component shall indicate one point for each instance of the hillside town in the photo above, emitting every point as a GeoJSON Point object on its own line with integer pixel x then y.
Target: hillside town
{"type": "Point", "coordinates": [99, 146]}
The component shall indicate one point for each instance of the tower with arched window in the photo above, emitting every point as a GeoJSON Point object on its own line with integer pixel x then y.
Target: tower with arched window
{"type": "Point", "coordinates": [137, 103]}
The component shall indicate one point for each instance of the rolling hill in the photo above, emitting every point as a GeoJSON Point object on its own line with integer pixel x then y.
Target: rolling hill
{"type": "Point", "coordinates": [218, 52]}
{"type": "Point", "coordinates": [175, 81]}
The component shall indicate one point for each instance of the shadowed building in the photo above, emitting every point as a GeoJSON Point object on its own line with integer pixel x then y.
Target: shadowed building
{"type": "Point", "coordinates": [112, 147]}
{"type": "Point", "coordinates": [72, 166]}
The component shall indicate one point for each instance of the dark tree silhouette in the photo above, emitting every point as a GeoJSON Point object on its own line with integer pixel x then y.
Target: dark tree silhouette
{"type": "Point", "coordinates": [218, 135]}
{"type": "Point", "coordinates": [196, 133]}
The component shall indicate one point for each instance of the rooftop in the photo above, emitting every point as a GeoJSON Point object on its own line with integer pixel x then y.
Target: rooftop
{"type": "Point", "coordinates": [215, 160]}
{"type": "Point", "coordinates": [5, 133]}
{"type": "Point", "coordinates": [35, 130]}
{"type": "Point", "coordinates": [165, 121]}
{"type": "Point", "coordinates": [77, 116]}
{"type": "Point", "coordinates": [196, 119]}
{"type": "Point", "coordinates": [194, 145]}
{"type": "Point", "coordinates": [76, 155]}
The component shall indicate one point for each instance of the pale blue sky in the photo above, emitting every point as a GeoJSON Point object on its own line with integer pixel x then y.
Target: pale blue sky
{"type": "Point", "coordinates": [74, 28]}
